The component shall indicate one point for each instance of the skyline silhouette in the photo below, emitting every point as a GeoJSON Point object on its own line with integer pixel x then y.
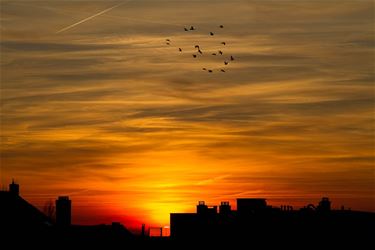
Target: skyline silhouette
{"type": "Point", "coordinates": [253, 222]}
{"type": "Point", "coordinates": [62, 206]}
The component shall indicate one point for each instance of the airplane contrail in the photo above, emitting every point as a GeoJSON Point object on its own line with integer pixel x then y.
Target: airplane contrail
{"type": "Point", "coordinates": [90, 17]}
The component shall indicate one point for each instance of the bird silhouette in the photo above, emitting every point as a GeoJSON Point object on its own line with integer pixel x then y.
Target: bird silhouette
{"type": "Point", "coordinates": [197, 53]}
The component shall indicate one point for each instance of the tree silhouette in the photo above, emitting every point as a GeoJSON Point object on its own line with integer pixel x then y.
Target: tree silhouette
{"type": "Point", "coordinates": [49, 210]}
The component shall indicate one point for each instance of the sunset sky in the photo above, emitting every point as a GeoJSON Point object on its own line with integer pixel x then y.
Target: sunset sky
{"type": "Point", "coordinates": [96, 106]}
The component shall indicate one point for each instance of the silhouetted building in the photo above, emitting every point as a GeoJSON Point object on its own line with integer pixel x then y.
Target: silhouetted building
{"type": "Point", "coordinates": [63, 211]}
{"type": "Point", "coordinates": [265, 227]}
{"type": "Point", "coordinates": [224, 208]}
{"type": "Point", "coordinates": [286, 208]}
{"type": "Point", "coordinates": [183, 224]}
{"type": "Point", "coordinates": [14, 188]}
{"type": "Point", "coordinates": [143, 232]}
{"type": "Point", "coordinates": [22, 223]}
{"type": "Point", "coordinates": [203, 209]}
{"type": "Point", "coordinates": [247, 206]}
{"type": "Point", "coordinates": [255, 220]}
{"type": "Point", "coordinates": [18, 218]}
{"type": "Point", "coordinates": [324, 205]}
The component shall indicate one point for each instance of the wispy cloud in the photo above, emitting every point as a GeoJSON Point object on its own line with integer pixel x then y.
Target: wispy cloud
{"type": "Point", "coordinates": [90, 17]}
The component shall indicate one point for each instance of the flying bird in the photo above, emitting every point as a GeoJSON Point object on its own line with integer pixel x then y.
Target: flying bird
{"type": "Point", "coordinates": [198, 52]}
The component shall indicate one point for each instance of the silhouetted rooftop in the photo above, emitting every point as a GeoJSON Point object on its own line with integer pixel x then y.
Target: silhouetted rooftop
{"type": "Point", "coordinates": [15, 212]}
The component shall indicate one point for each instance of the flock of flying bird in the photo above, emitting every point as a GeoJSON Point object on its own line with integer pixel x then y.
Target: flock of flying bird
{"type": "Point", "coordinates": [199, 51]}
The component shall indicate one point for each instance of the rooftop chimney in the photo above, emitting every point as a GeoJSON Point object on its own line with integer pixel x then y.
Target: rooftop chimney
{"type": "Point", "coordinates": [14, 188]}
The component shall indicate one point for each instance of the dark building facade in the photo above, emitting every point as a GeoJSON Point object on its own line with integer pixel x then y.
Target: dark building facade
{"type": "Point", "coordinates": [14, 188]}
{"type": "Point", "coordinates": [203, 209]}
{"type": "Point", "coordinates": [324, 205]}
{"type": "Point", "coordinates": [250, 205]}
{"type": "Point", "coordinates": [63, 211]}
{"type": "Point", "coordinates": [225, 208]}
{"type": "Point", "coordinates": [256, 221]}
{"type": "Point", "coordinates": [206, 222]}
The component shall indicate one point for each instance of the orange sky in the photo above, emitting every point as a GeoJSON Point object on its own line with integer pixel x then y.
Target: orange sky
{"type": "Point", "coordinates": [94, 105]}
